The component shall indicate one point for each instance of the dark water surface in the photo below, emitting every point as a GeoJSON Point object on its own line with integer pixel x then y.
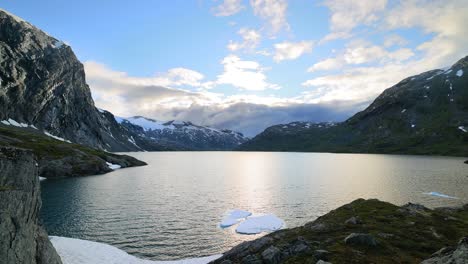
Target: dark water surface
{"type": "Point", "coordinates": [170, 209]}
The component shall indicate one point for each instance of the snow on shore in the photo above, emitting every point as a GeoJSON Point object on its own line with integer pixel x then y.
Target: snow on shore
{"type": "Point", "coordinates": [77, 251]}
{"type": "Point", "coordinates": [113, 166]}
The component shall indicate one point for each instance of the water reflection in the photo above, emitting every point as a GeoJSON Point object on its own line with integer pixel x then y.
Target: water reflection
{"type": "Point", "coordinates": [170, 209]}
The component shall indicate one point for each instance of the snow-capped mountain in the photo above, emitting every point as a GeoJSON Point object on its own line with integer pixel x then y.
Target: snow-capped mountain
{"type": "Point", "coordinates": [183, 135]}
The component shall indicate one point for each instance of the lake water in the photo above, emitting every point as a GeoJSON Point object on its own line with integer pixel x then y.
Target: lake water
{"type": "Point", "coordinates": [171, 208]}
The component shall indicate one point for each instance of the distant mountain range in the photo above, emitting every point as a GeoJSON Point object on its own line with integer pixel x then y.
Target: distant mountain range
{"type": "Point", "coordinates": [43, 84]}
{"type": "Point", "coordinates": [422, 114]}
{"type": "Point", "coordinates": [183, 135]}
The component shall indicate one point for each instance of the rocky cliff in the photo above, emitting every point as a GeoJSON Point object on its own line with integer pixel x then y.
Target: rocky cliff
{"type": "Point", "coordinates": [22, 239]}
{"type": "Point", "coordinates": [43, 84]}
{"type": "Point", "coordinates": [422, 114]}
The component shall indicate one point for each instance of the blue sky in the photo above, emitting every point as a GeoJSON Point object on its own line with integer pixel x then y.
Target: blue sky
{"type": "Point", "coordinates": [245, 65]}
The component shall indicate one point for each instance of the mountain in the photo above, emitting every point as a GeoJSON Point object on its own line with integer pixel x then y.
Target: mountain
{"type": "Point", "coordinates": [183, 135]}
{"type": "Point", "coordinates": [422, 114]}
{"type": "Point", "coordinates": [43, 84]}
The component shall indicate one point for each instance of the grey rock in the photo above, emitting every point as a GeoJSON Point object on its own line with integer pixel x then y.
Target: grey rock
{"type": "Point", "coordinates": [260, 243]}
{"type": "Point", "coordinates": [413, 209]}
{"type": "Point", "coordinates": [299, 247]}
{"type": "Point", "coordinates": [271, 255]}
{"type": "Point", "coordinates": [353, 221]}
{"type": "Point", "coordinates": [251, 259]}
{"type": "Point", "coordinates": [361, 240]}
{"type": "Point", "coordinates": [321, 254]}
{"type": "Point", "coordinates": [323, 262]}
{"type": "Point", "coordinates": [453, 255]}
{"type": "Point", "coordinates": [22, 238]}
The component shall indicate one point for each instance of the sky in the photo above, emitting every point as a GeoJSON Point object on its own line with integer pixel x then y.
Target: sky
{"type": "Point", "coordinates": [248, 64]}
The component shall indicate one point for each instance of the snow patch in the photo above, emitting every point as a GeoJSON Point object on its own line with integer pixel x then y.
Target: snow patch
{"type": "Point", "coordinates": [459, 73]}
{"type": "Point", "coordinates": [233, 217]}
{"type": "Point", "coordinates": [259, 224]}
{"type": "Point", "coordinates": [462, 128]}
{"type": "Point", "coordinates": [413, 125]}
{"type": "Point", "coordinates": [42, 178]}
{"type": "Point", "coordinates": [440, 195]}
{"type": "Point", "coordinates": [78, 251]}
{"type": "Point", "coordinates": [55, 137]}
{"type": "Point", "coordinates": [113, 166]}
{"type": "Point", "coordinates": [402, 111]}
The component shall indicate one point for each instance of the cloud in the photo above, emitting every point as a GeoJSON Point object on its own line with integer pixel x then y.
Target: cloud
{"type": "Point", "coordinates": [247, 75]}
{"type": "Point", "coordinates": [327, 64]}
{"type": "Point", "coordinates": [273, 12]}
{"type": "Point", "coordinates": [348, 14]}
{"type": "Point", "coordinates": [394, 40]}
{"type": "Point", "coordinates": [250, 40]}
{"type": "Point", "coordinates": [126, 95]}
{"type": "Point", "coordinates": [291, 50]}
{"type": "Point", "coordinates": [228, 8]}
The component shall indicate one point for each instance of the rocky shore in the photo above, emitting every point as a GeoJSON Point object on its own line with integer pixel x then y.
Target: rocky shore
{"type": "Point", "coordinates": [22, 238]}
{"type": "Point", "coordinates": [365, 231]}
{"type": "Point", "coordinates": [57, 158]}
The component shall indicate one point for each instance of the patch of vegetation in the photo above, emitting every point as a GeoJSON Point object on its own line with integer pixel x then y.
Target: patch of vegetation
{"type": "Point", "coordinates": [407, 234]}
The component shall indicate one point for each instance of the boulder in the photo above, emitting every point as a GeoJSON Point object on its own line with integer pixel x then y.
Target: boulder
{"type": "Point", "coordinates": [361, 239]}
{"type": "Point", "coordinates": [271, 255]}
{"type": "Point", "coordinates": [455, 255]}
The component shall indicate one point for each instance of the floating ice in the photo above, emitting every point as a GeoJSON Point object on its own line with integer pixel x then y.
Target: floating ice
{"type": "Point", "coordinates": [77, 251]}
{"type": "Point", "coordinates": [440, 195]}
{"type": "Point", "coordinates": [460, 73]}
{"type": "Point", "coordinates": [259, 224]}
{"type": "Point", "coordinates": [113, 166]}
{"type": "Point", "coordinates": [233, 217]}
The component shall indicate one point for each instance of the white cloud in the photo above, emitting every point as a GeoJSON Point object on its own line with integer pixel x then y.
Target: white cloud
{"type": "Point", "coordinates": [228, 8]}
{"type": "Point", "coordinates": [273, 12]}
{"type": "Point", "coordinates": [126, 95]}
{"type": "Point", "coordinates": [247, 75]}
{"type": "Point", "coordinates": [291, 50]}
{"type": "Point", "coordinates": [348, 14]}
{"type": "Point", "coordinates": [394, 40]}
{"type": "Point", "coordinates": [250, 40]}
{"type": "Point", "coordinates": [327, 64]}
{"type": "Point", "coordinates": [173, 77]}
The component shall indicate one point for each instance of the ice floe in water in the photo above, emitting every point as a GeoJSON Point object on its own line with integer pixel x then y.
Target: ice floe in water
{"type": "Point", "coordinates": [441, 195]}
{"type": "Point", "coordinates": [233, 217]}
{"type": "Point", "coordinates": [113, 166]}
{"type": "Point", "coordinates": [259, 224]}
{"type": "Point", "coordinates": [77, 251]}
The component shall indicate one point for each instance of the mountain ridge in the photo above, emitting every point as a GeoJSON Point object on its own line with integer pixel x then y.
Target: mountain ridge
{"type": "Point", "coordinates": [422, 114]}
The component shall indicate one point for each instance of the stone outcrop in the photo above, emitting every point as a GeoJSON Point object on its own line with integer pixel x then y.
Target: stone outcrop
{"type": "Point", "coordinates": [385, 233]}
{"type": "Point", "coordinates": [22, 238]}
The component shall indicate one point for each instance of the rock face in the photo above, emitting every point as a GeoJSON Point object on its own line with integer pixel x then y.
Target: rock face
{"type": "Point", "coordinates": [183, 135]}
{"type": "Point", "coordinates": [22, 239]}
{"type": "Point", "coordinates": [422, 114]}
{"type": "Point", "coordinates": [42, 83]}
{"type": "Point", "coordinates": [455, 255]}
{"type": "Point", "coordinates": [386, 234]}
